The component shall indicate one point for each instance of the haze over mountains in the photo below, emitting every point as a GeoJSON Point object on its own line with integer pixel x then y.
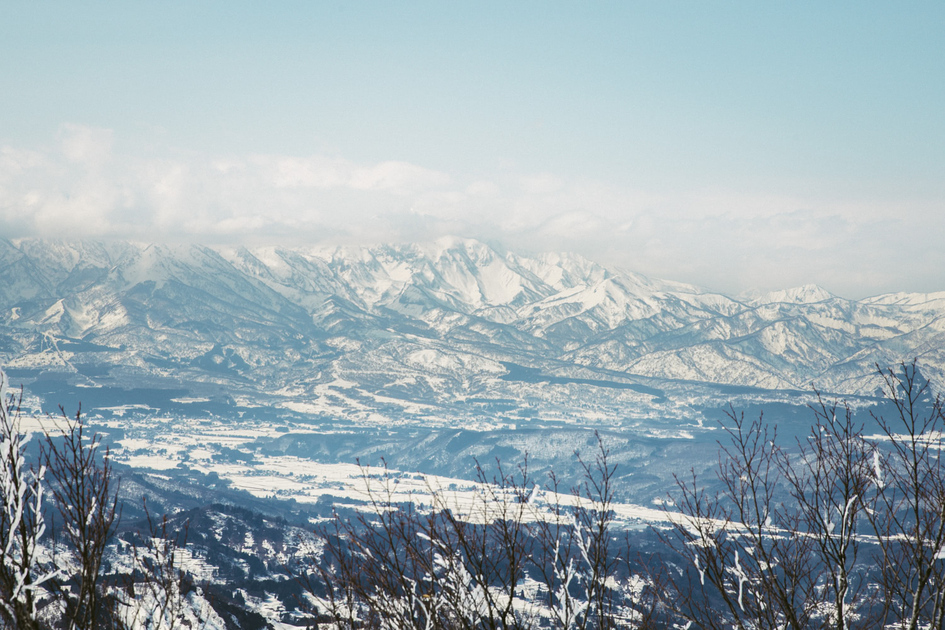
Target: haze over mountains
{"type": "Point", "coordinates": [437, 331]}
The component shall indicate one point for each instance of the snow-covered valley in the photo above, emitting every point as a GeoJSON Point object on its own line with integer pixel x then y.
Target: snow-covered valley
{"type": "Point", "coordinates": [239, 388]}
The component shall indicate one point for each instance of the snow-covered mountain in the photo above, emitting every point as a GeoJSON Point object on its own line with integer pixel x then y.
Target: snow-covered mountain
{"type": "Point", "coordinates": [423, 329]}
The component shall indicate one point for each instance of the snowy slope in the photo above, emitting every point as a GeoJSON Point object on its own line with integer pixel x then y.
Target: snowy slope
{"type": "Point", "coordinates": [433, 323]}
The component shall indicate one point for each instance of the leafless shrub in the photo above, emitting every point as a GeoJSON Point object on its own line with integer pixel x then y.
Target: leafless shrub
{"type": "Point", "coordinates": [909, 517]}
{"type": "Point", "coordinates": [21, 522]}
{"type": "Point", "coordinates": [513, 555]}
{"type": "Point", "coordinates": [86, 496]}
{"type": "Point", "coordinates": [842, 531]}
{"type": "Point", "coordinates": [750, 574]}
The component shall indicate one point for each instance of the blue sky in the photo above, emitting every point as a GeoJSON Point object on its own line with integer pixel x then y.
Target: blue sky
{"type": "Point", "coordinates": [730, 144]}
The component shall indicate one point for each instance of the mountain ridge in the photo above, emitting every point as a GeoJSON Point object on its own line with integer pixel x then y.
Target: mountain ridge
{"type": "Point", "coordinates": [254, 320]}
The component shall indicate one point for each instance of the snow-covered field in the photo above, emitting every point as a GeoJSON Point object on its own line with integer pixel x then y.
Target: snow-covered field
{"type": "Point", "coordinates": [155, 446]}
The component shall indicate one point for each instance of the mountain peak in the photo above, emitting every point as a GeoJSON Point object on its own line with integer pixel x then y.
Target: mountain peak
{"type": "Point", "coordinates": [448, 245]}
{"type": "Point", "coordinates": [804, 294]}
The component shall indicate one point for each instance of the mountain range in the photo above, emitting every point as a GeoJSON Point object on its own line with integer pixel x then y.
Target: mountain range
{"type": "Point", "coordinates": [440, 332]}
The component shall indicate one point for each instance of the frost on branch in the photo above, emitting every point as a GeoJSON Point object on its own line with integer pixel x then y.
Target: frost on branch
{"type": "Point", "coordinates": [21, 522]}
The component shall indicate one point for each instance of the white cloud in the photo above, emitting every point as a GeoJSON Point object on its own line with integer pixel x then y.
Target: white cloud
{"type": "Point", "coordinates": [88, 146]}
{"type": "Point", "coordinates": [333, 173]}
{"type": "Point", "coordinates": [541, 184]}
{"type": "Point", "coordinates": [573, 224]}
{"type": "Point", "coordinates": [398, 177]}
{"type": "Point", "coordinates": [726, 240]}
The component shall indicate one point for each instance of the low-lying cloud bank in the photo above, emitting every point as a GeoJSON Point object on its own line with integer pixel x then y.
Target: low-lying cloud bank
{"type": "Point", "coordinates": [82, 187]}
